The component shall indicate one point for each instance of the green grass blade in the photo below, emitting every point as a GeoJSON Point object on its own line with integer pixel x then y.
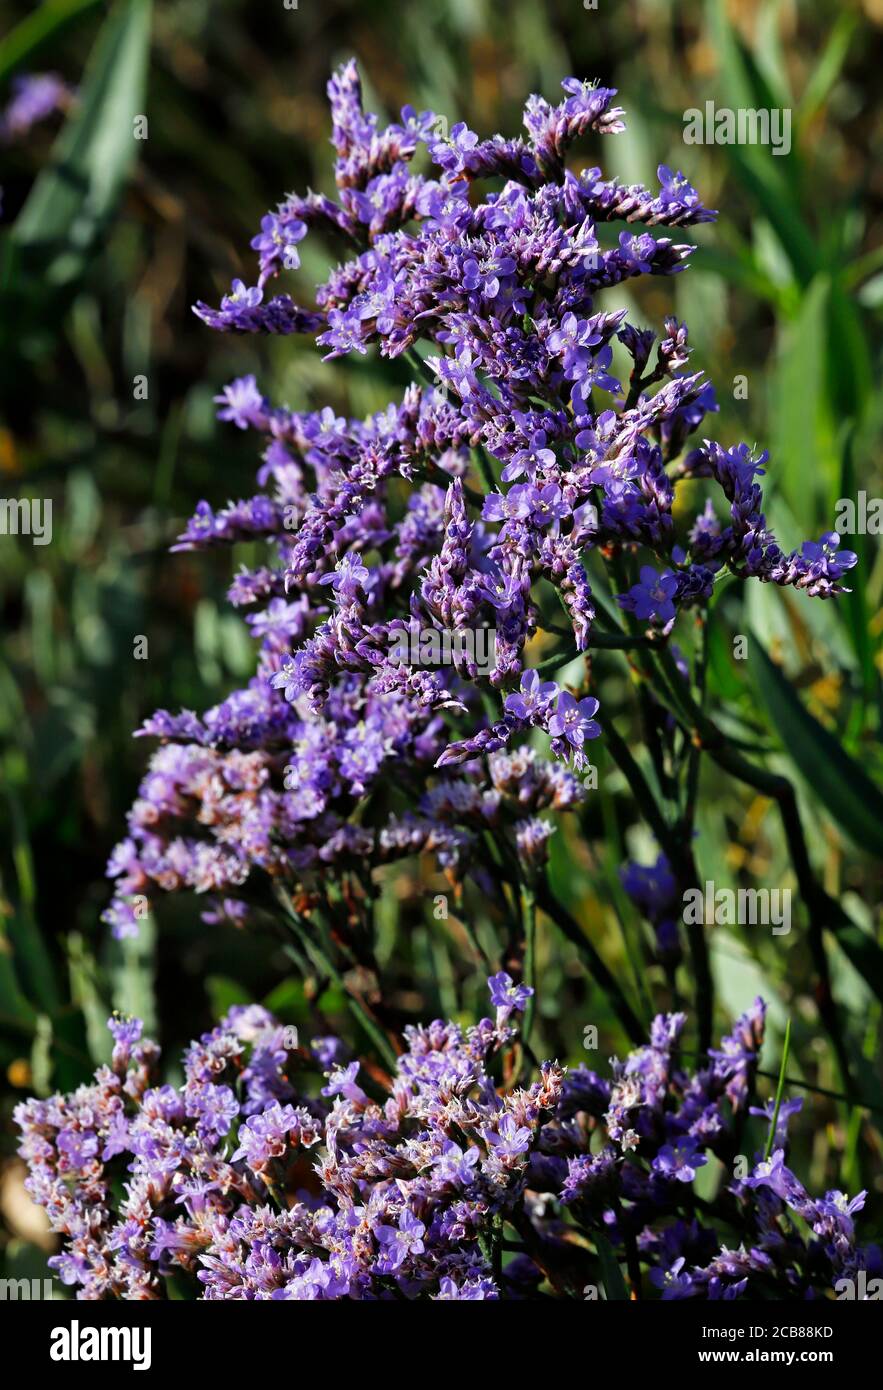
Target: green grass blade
{"type": "Point", "coordinates": [843, 787]}
{"type": "Point", "coordinates": [76, 193]}
{"type": "Point", "coordinates": [780, 1088]}
{"type": "Point", "coordinates": [25, 41]}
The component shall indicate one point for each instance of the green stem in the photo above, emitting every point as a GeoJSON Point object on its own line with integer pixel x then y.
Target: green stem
{"type": "Point", "coordinates": [323, 962]}
{"type": "Point", "coordinates": [603, 977]}
{"type": "Point", "coordinates": [640, 788]}
{"type": "Point", "coordinates": [822, 910]}
{"type": "Point", "coordinates": [680, 854]}
{"type": "Point", "coordinates": [529, 910]}
{"type": "Point", "coordinates": [780, 1088]}
{"type": "Point", "coordinates": [484, 468]}
{"type": "Point", "coordinates": [693, 758]}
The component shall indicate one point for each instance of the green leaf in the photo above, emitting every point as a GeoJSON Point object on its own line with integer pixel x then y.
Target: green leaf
{"type": "Point", "coordinates": [76, 193]}
{"type": "Point", "coordinates": [33, 962]}
{"type": "Point", "coordinates": [739, 268]}
{"type": "Point", "coordinates": [288, 1002]}
{"type": "Point", "coordinates": [69, 1049]}
{"type": "Point", "coordinates": [745, 84]}
{"type": "Point", "coordinates": [720, 664]}
{"type": "Point", "coordinates": [853, 606]}
{"type": "Point", "coordinates": [850, 370]}
{"type": "Point", "coordinates": [841, 784]}
{"type": "Point", "coordinates": [827, 70]}
{"type": "Point", "coordinates": [768, 52]}
{"type": "Point", "coordinates": [773, 181]}
{"type": "Point", "coordinates": [871, 292]}
{"type": "Point", "coordinates": [16, 1013]}
{"type": "Point", "coordinates": [739, 979]}
{"type": "Point", "coordinates": [614, 1284]}
{"type": "Point", "coordinates": [131, 965]}
{"type": "Point", "coordinates": [799, 390]}
{"type": "Point", "coordinates": [863, 953]}
{"type": "Point", "coordinates": [60, 1058]}
{"type": "Point", "coordinates": [33, 33]}
{"type": "Point", "coordinates": [224, 993]}
{"type": "Point", "coordinates": [85, 993]}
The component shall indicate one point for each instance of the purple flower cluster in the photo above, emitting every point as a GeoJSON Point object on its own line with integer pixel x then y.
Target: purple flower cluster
{"type": "Point", "coordinates": [256, 793]}
{"type": "Point", "coordinates": [252, 1181]}
{"type": "Point", "coordinates": [525, 461]}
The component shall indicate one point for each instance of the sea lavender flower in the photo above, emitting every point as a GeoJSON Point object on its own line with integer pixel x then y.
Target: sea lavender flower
{"type": "Point", "coordinates": [652, 598]}
{"type": "Point", "coordinates": [523, 461]}
{"type": "Point", "coordinates": [507, 996]}
{"type": "Point", "coordinates": [141, 1181]}
{"type": "Point", "coordinates": [508, 286]}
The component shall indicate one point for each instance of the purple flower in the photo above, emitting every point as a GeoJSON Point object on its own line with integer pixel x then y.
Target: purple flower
{"type": "Point", "coordinates": [241, 296]}
{"type": "Point", "coordinates": [652, 598]}
{"type": "Point", "coordinates": [786, 1110]}
{"type": "Point", "coordinates": [266, 1136]}
{"type": "Point", "coordinates": [509, 1139]}
{"type": "Point", "coordinates": [533, 698]}
{"type": "Point", "coordinates": [547, 505]}
{"type": "Point", "coordinates": [456, 1166]}
{"type": "Point", "coordinates": [342, 1082]}
{"type": "Point", "coordinates": [401, 1241]}
{"type": "Point", "coordinates": [79, 1147]}
{"type": "Point", "coordinates": [450, 1291]}
{"type": "Point", "coordinates": [573, 721]}
{"type": "Point", "coordinates": [276, 243]}
{"type": "Point", "coordinates": [679, 1161]}
{"type": "Point", "coordinates": [637, 251]}
{"type": "Point", "coordinates": [511, 506]}
{"type": "Point", "coordinates": [243, 404]}
{"type": "Point", "coordinates": [349, 576]}
{"type": "Point", "coordinates": [530, 460]}
{"type": "Point", "coordinates": [674, 1282]}
{"type": "Point", "coordinates": [395, 1194]}
{"type": "Point", "coordinates": [676, 188]}
{"type": "Point", "coordinates": [506, 996]}
{"type": "Point", "coordinates": [34, 97]}
{"type": "Point", "coordinates": [455, 152]}
{"type": "Point", "coordinates": [485, 274]}
{"type": "Point", "coordinates": [774, 1174]}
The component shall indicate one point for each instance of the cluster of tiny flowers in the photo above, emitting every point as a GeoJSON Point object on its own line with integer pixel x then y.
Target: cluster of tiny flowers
{"type": "Point", "coordinates": [216, 819]}
{"type": "Point", "coordinates": [360, 567]}
{"type": "Point", "coordinates": [278, 1173]}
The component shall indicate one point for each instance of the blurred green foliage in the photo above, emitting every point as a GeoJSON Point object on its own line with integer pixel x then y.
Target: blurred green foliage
{"type": "Point", "coordinates": [105, 243]}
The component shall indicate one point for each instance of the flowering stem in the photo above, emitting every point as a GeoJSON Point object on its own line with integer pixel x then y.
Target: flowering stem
{"type": "Point", "coordinates": [609, 641]}
{"type": "Point", "coordinates": [484, 468]}
{"type": "Point", "coordinates": [786, 1046]}
{"type": "Point", "coordinates": [603, 977]}
{"type": "Point", "coordinates": [695, 753]}
{"type": "Point", "coordinates": [823, 911]}
{"type": "Point", "coordinates": [681, 855]}
{"type": "Point", "coordinates": [622, 756]}
{"type": "Point", "coordinates": [529, 911]}
{"type": "Point", "coordinates": [416, 361]}
{"type": "Point", "coordinates": [433, 474]}
{"type": "Point", "coordinates": [319, 957]}
{"type": "Point", "coordinates": [632, 1262]}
